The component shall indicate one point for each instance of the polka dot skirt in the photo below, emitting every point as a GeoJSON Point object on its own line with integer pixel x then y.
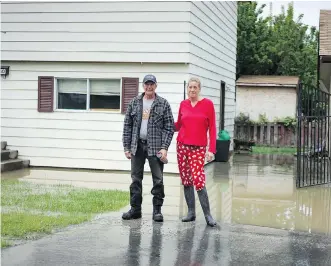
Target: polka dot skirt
{"type": "Point", "coordinates": [190, 161]}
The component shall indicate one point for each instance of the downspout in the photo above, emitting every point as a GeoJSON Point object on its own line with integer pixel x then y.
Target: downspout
{"type": "Point", "coordinates": [184, 89]}
{"type": "Point", "coordinates": [318, 63]}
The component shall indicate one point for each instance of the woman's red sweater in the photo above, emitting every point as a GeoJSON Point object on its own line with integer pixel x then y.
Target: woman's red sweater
{"type": "Point", "coordinates": [193, 123]}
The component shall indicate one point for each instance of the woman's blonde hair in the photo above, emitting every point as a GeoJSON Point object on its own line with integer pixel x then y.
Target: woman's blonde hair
{"type": "Point", "coordinates": [194, 79]}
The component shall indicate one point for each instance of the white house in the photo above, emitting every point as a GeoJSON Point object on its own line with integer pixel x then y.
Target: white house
{"type": "Point", "coordinates": [73, 68]}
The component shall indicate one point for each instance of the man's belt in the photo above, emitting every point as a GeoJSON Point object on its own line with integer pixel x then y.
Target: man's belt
{"type": "Point", "coordinates": [144, 141]}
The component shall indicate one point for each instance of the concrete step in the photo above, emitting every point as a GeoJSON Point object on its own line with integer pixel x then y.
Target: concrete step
{"type": "Point", "coordinates": [8, 154]}
{"type": "Point", "coordinates": [3, 145]}
{"type": "Point", "coordinates": [14, 164]}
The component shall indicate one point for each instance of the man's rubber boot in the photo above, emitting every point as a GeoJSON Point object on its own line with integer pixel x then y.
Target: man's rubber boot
{"type": "Point", "coordinates": [157, 215]}
{"type": "Point", "coordinates": [190, 201]}
{"type": "Point", "coordinates": [204, 201]}
{"type": "Point", "coordinates": [133, 213]}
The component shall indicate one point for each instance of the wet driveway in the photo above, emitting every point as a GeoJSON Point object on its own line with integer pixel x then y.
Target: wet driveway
{"type": "Point", "coordinates": [253, 198]}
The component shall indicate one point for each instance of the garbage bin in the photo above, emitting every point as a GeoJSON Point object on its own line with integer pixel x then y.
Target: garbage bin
{"type": "Point", "coordinates": [222, 150]}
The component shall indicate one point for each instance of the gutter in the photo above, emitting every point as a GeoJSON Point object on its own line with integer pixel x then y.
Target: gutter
{"type": "Point", "coordinates": [267, 85]}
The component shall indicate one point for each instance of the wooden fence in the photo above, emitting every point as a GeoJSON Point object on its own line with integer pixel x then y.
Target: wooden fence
{"type": "Point", "coordinates": [269, 134]}
{"type": "Point", "coordinates": [273, 134]}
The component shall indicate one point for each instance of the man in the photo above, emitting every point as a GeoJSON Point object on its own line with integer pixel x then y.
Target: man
{"type": "Point", "coordinates": [148, 129]}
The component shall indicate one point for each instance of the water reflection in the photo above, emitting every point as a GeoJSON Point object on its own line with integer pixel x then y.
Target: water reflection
{"type": "Point", "coordinates": [201, 247]}
{"type": "Point", "coordinates": [132, 256]}
{"type": "Point", "coordinates": [260, 190]}
{"type": "Point", "coordinates": [185, 246]}
{"type": "Point", "coordinates": [156, 245]}
{"type": "Point", "coordinates": [201, 252]}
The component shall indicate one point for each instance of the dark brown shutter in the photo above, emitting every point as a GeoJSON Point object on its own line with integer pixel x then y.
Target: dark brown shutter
{"type": "Point", "coordinates": [45, 94]}
{"type": "Point", "coordinates": [130, 87]}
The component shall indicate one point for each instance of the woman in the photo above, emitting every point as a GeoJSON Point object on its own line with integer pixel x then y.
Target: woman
{"type": "Point", "coordinates": [196, 116]}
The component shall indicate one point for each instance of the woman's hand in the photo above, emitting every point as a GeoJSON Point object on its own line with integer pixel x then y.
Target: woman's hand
{"type": "Point", "coordinates": [209, 156]}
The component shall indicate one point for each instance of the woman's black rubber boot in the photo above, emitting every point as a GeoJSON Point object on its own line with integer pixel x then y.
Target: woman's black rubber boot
{"type": "Point", "coordinates": [204, 201]}
{"type": "Point", "coordinates": [190, 201]}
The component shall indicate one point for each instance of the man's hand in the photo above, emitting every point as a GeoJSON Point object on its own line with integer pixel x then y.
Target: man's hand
{"type": "Point", "coordinates": [127, 154]}
{"type": "Point", "coordinates": [164, 154]}
{"type": "Point", "coordinates": [209, 156]}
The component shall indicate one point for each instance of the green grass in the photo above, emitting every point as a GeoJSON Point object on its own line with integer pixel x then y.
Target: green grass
{"type": "Point", "coordinates": [21, 224]}
{"type": "Point", "coordinates": [273, 150]}
{"type": "Point", "coordinates": [4, 243]}
{"type": "Point", "coordinates": [32, 209]}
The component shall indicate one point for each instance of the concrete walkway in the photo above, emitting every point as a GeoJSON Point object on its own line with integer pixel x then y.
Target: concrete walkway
{"type": "Point", "coordinates": [109, 241]}
{"type": "Point", "coordinates": [263, 220]}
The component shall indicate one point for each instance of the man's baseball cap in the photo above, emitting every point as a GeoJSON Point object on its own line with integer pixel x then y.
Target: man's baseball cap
{"type": "Point", "coordinates": [151, 78]}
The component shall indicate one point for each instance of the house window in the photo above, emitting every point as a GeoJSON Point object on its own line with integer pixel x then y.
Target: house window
{"type": "Point", "coordinates": [86, 94]}
{"type": "Point", "coordinates": [105, 94]}
{"type": "Point", "coordinates": [72, 94]}
{"type": "Point", "coordinates": [89, 94]}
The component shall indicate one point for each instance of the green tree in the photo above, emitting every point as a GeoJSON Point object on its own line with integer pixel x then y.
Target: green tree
{"type": "Point", "coordinates": [276, 45]}
{"type": "Point", "coordinates": [253, 37]}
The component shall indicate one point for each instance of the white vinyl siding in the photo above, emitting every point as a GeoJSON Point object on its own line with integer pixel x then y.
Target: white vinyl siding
{"type": "Point", "coordinates": [96, 31]}
{"type": "Point", "coordinates": [71, 138]}
{"type": "Point", "coordinates": [213, 42]}
{"type": "Point", "coordinates": [108, 41]}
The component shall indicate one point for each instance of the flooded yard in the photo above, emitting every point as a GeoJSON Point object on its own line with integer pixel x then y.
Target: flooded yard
{"type": "Point", "coordinates": [263, 193]}
{"type": "Point", "coordinates": [249, 190]}
{"type": "Point", "coordinates": [263, 220]}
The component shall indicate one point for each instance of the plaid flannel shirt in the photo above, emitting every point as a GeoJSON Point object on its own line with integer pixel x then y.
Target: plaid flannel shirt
{"type": "Point", "coordinates": [160, 128]}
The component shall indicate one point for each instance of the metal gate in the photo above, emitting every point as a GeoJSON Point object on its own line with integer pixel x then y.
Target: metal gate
{"type": "Point", "coordinates": [313, 138]}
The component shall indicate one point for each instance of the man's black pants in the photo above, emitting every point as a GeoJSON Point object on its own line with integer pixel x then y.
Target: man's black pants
{"type": "Point", "coordinates": [137, 172]}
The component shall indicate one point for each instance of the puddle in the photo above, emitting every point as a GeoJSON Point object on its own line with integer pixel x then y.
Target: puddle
{"type": "Point", "coordinates": [250, 190]}
{"type": "Point", "coordinates": [260, 190]}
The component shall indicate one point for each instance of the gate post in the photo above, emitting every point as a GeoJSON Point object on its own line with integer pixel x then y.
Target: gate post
{"type": "Point", "coordinates": [299, 133]}
{"type": "Point", "coordinates": [329, 124]}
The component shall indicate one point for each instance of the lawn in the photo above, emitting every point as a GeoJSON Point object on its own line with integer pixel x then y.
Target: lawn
{"type": "Point", "coordinates": [274, 150]}
{"type": "Point", "coordinates": [31, 210]}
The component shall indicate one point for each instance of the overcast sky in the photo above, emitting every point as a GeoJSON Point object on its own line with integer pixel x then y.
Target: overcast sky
{"type": "Point", "coordinates": [310, 9]}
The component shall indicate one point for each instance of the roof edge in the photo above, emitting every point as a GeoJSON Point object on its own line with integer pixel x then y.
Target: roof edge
{"type": "Point", "coordinates": [266, 85]}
